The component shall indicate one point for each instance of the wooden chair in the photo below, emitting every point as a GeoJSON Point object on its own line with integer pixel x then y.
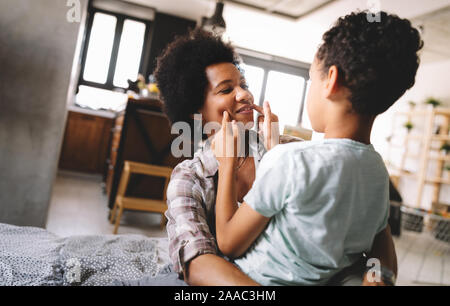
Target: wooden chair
{"type": "Point", "coordinates": [122, 202]}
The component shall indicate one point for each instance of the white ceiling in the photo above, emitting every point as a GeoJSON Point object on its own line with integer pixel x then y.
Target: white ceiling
{"type": "Point", "coordinates": [433, 14]}
{"type": "Point", "coordinates": [436, 34]}
{"type": "Point", "coordinates": [191, 9]}
{"type": "Point", "coordinates": [194, 9]}
{"type": "Point", "coordinates": [288, 8]}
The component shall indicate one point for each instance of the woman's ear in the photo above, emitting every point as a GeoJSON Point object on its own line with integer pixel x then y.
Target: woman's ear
{"type": "Point", "coordinates": [331, 84]}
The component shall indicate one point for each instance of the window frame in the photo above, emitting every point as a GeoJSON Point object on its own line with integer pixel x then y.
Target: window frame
{"type": "Point", "coordinates": [272, 63]}
{"type": "Point", "coordinates": [109, 84]}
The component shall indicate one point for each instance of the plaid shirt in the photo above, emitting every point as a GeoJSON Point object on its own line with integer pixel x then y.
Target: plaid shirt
{"type": "Point", "coordinates": [191, 197]}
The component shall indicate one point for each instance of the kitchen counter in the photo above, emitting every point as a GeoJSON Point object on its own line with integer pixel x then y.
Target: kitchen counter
{"type": "Point", "coordinates": [93, 112]}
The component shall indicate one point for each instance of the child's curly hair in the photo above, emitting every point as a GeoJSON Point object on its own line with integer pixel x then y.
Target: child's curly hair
{"type": "Point", "coordinates": [377, 61]}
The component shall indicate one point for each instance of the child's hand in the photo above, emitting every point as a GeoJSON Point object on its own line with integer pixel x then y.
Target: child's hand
{"type": "Point", "coordinates": [268, 126]}
{"type": "Point", "coordinates": [225, 142]}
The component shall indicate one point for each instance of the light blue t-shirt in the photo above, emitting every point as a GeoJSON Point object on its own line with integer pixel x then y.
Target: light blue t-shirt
{"type": "Point", "coordinates": [327, 199]}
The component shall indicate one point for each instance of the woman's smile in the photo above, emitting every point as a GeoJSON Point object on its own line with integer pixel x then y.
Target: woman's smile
{"type": "Point", "coordinates": [228, 91]}
{"type": "Point", "coordinates": [248, 109]}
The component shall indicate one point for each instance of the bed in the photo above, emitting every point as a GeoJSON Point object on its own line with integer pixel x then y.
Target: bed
{"type": "Point", "coordinates": [31, 256]}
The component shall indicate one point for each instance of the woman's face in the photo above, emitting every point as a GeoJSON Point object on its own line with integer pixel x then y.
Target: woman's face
{"type": "Point", "coordinates": [227, 90]}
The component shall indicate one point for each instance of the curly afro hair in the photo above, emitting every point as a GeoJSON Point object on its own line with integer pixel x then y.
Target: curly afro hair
{"type": "Point", "coordinates": [180, 72]}
{"type": "Point", "coordinates": [377, 61]}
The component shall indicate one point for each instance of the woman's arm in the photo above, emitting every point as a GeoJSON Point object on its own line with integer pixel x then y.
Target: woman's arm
{"type": "Point", "coordinates": [187, 223]}
{"type": "Point", "coordinates": [212, 270]}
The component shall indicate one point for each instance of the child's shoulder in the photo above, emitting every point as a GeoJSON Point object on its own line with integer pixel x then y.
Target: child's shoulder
{"type": "Point", "coordinates": [284, 153]}
{"type": "Point", "coordinates": [297, 147]}
{"type": "Point", "coordinates": [322, 152]}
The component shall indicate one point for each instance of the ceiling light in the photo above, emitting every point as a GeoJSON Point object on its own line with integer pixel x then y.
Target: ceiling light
{"type": "Point", "coordinates": [216, 23]}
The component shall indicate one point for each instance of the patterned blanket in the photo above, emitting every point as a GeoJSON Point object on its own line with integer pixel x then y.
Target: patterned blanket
{"type": "Point", "coordinates": [32, 256]}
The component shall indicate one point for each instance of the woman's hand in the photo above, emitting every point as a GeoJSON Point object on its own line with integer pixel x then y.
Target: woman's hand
{"type": "Point", "coordinates": [226, 141]}
{"type": "Point", "coordinates": [268, 126]}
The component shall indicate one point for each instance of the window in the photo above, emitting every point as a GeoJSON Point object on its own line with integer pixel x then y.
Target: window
{"type": "Point", "coordinates": [100, 47]}
{"type": "Point", "coordinates": [114, 49]}
{"type": "Point", "coordinates": [285, 93]}
{"type": "Point", "coordinates": [254, 77]}
{"type": "Point", "coordinates": [281, 82]}
{"type": "Point", "coordinates": [130, 51]}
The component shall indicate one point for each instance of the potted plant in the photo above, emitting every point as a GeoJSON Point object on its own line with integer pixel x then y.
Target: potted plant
{"type": "Point", "coordinates": [445, 147]}
{"type": "Point", "coordinates": [447, 171]}
{"type": "Point", "coordinates": [408, 125]}
{"type": "Point", "coordinates": [433, 102]}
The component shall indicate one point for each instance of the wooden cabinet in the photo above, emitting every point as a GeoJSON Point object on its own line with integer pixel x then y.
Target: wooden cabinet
{"type": "Point", "coordinates": [86, 143]}
{"type": "Point", "coordinates": [115, 142]}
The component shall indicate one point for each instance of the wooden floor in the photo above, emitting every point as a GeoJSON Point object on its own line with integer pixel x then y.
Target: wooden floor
{"type": "Point", "coordinates": [79, 207]}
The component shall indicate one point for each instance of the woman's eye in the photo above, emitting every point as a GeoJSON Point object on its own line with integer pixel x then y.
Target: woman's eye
{"type": "Point", "coordinates": [226, 90]}
{"type": "Point", "coordinates": [244, 86]}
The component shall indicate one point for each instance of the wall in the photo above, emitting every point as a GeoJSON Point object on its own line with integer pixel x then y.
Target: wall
{"type": "Point", "coordinates": [36, 59]}
{"type": "Point", "coordinates": [164, 29]}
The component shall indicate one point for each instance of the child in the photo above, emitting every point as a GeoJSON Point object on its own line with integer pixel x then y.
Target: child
{"type": "Point", "coordinates": [316, 206]}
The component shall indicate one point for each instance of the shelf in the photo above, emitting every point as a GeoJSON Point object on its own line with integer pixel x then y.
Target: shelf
{"type": "Point", "coordinates": [413, 156]}
{"type": "Point", "coordinates": [442, 157]}
{"type": "Point", "coordinates": [420, 112]}
{"type": "Point", "coordinates": [425, 111]}
{"type": "Point", "coordinates": [437, 180]}
{"type": "Point", "coordinates": [441, 137]}
{"type": "Point", "coordinates": [403, 174]}
{"type": "Point", "coordinates": [396, 171]}
{"type": "Point", "coordinates": [427, 143]}
{"type": "Point", "coordinates": [414, 137]}
{"type": "Point", "coordinates": [442, 111]}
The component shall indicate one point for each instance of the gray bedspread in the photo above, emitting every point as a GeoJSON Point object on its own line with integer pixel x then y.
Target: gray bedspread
{"type": "Point", "coordinates": [33, 256]}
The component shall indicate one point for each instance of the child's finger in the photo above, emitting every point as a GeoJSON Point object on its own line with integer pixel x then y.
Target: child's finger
{"type": "Point", "coordinates": [235, 137]}
{"type": "Point", "coordinates": [223, 134]}
{"type": "Point", "coordinates": [260, 118]}
{"type": "Point", "coordinates": [258, 108]}
{"type": "Point", "coordinates": [234, 128]}
{"type": "Point", "coordinates": [267, 110]}
{"type": "Point", "coordinates": [225, 118]}
{"type": "Point", "coordinates": [267, 123]}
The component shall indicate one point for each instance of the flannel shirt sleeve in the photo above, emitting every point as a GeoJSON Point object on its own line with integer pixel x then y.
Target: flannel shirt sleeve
{"type": "Point", "coordinates": [187, 228]}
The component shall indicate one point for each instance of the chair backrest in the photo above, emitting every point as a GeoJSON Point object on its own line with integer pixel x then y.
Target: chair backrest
{"type": "Point", "coordinates": [146, 138]}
